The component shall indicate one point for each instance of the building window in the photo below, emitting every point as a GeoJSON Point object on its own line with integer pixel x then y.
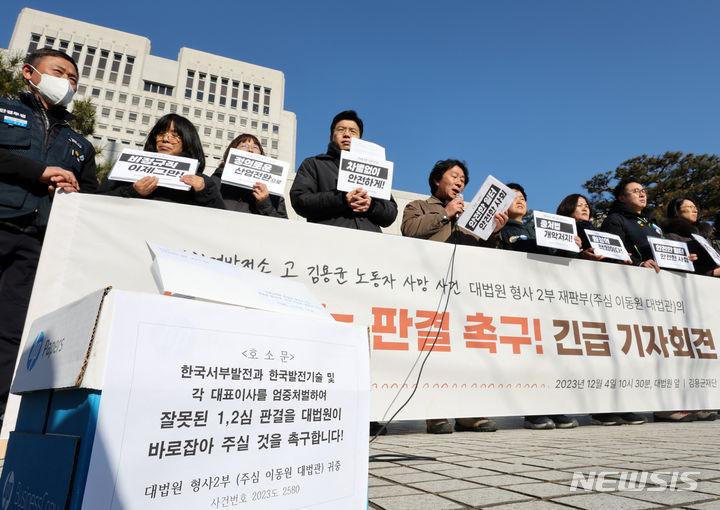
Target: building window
{"type": "Point", "coordinates": [127, 74]}
{"type": "Point", "coordinates": [100, 72]}
{"type": "Point", "coordinates": [230, 135]}
{"type": "Point", "coordinates": [243, 121]}
{"type": "Point", "coordinates": [208, 131]}
{"type": "Point", "coordinates": [234, 99]}
{"type": "Point", "coordinates": [157, 88]}
{"type": "Point", "coordinates": [81, 90]}
{"type": "Point", "coordinates": [146, 119]}
{"type": "Point", "coordinates": [95, 92]}
{"type": "Point", "coordinates": [189, 84]}
{"type": "Point", "coordinates": [105, 112]}
{"type": "Point", "coordinates": [173, 108]}
{"type": "Point", "coordinates": [49, 42]}
{"type": "Point", "coordinates": [223, 90]}
{"type": "Point", "coordinates": [148, 103]}
{"type": "Point", "coordinates": [119, 114]}
{"type": "Point", "coordinates": [161, 106]}
{"type": "Point", "coordinates": [109, 95]}
{"type": "Point", "coordinates": [77, 49]}
{"type": "Point", "coordinates": [130, 131]}
{"type": "Point", "coordinates": [186, 110]}
{"type": "Point", "coordinates": [218, 133]}
{"type": "Point", "coordinates": [275, 144]}
{"type": "Point", "coordinates": [276, 129]}
{"type": "Point", "coordinates": [64, 45]}
{"type": "Point", "coordinates": [116, 129]}
{"type": "Point", "coordinates": [245, 105]}
{"type": "Point", "coordinates": [231, 119]}
{"type": "Point", "coordinates": [117, 57]}
{"type": "Point", "coordinates": [34, 41]}
{"type": "Point", "coordinates": [132, 117]}
{"type": "Point", "coordinates": [256, 94]}
{"type": "Point", "coordinates": [122, 98]}
{"type": "Point", "coordinates": [265, 126]}
{"type": "Point", "coordinates": [221, 117]}
{"type": "Point", "coordinates": [135, 100]}
{"type": "Point", "coordinates": [266, 98]}
{"type": "Point", "coordinates": [246, 92]}
{"type": "Point", "coordinates": [256, 108]}
{"type": "Point", "coordinates": [201, 86]}
{"type": "Point", "coordinates": [253, 124]}
{"type": "Point", "coordinates": [264, 141]}
{"type": "Point", "coordinates": [266, 110]}
{"type": "Point", "coordinates": [197, 112]}
{"type": "Point", "coordinates": [89, 57]}
{"type": "Point", "coordinates": [213, 87]}
{"type": "Point", "coordinates": [209, 115]}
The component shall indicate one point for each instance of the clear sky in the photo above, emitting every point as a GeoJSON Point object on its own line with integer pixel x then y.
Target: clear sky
{"type": "Point", "coordinates": [542, 92]}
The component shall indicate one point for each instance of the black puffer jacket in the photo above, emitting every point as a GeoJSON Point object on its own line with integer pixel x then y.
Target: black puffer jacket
{"type": "Point", "coordinates": [314, 195]}
{"type": "Point", "coordinates": [633, 229]}
{"type": "Point", "coordinates": [679, 229]}
{"type": "Point", "coordinates": [242, 199]}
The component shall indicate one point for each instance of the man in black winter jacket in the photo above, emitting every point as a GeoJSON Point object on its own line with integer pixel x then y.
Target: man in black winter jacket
{"type": "Point", "coordinates": [314, 194]}
{"type": "Point", "coordinates": [629, 219]}
{"type": "Point", "coordinates": [39, 153]}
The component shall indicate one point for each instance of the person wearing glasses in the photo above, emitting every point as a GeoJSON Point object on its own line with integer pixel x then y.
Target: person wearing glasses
{"type": "Point", "coordinates": [630, 219]}
{"type": "Point", "coordinates": [176, 136]}
{"type": "Point", "coordinates": [314, 194]}
{"type": "Point", "coordinates": [255, 201]}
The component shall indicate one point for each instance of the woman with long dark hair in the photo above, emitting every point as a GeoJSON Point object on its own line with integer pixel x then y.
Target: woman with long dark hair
{"type": "Point", "coordinates": [680, 224]}
{"type": "Point", "coordinates": [176, 136]}
{"type": "Point", "coordinates": [255, 201]}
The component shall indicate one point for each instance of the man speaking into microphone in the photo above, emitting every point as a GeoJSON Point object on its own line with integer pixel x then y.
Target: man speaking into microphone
{"type": "Point", "coordinates": [436, 219]}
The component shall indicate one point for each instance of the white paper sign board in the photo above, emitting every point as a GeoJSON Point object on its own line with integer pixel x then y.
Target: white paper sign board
{"type": "Point", "coordinates": [244, 169]}
{"type": "Point", "coordinates": [133, 165]}
{"type": "Point", "coordinates": [368, 149]}
{"type": "Point", "coordinates": [359, 171]}
{"type": "Point", "coordinates": [207, 405]}
{"type": "Point", "coordinates": [58, 348]}
{"type": "Point", "coordinates": [190, 275]}
{"type": "Point", "coordinates": [671, 254]}
{"type": "Point", "coordinates": [607, 245]}
{"type": "Point", "coordinates": [555, 231]}
{"type": "Point", "coordinates": [492, 197]}
{"type": "Point", "coordinates": [708, 248]}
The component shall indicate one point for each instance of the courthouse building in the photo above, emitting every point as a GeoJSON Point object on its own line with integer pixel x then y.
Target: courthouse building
{"type": "Point", "coordinates": [131, 88]}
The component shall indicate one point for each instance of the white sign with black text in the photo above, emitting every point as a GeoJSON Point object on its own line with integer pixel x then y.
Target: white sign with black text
{"type": "Point", "coordinates": [358, 171]}
{"type": "Point", "coordinates": [708, 248]}
{"type": "Point", "coordinates": [607, 245]}
{"type": "Point", "coordinates": [671, 254]}
{"type": "Point", "coordinates": [133, 165]}
{"type": "Point", "coordinates": [493, 197]}
{"type": "Point", "coordinates": [244, 169]}
{"type": "Point", "coordinates": [210, 406]}
{"type": "Point", "coordinates": [555, 231]}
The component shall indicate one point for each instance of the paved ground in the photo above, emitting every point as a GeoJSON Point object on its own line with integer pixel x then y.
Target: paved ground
{"type": "Point", "coordinates": [518, 469]}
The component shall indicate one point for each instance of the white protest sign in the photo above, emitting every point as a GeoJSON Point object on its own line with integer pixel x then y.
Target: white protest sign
{"type": "Point", "coordinates": [708, 248]}
{"type": "Point", "coordinates": [133, 165]}
{"type": "Point", "coordinates": [671, 254]}
{"type": "Point", "coordinates": [362, 168]}
{"type": "Point", "coordinates": [191, 275]}
{"type": "Point", "coordinates": [244, 169]}
{"type": "Point", "coordinates": [607, 245]}
{"type": "Point", "coordinates": [208, 406]}
{"type": "Point", "coordinates": [492, 197]}
{"type": "Point", "coordinates": [522, 334]}
{"type": "Point", "coordinates": [555, 231]}
{"type": "Point", "coordinates": [370, 150]}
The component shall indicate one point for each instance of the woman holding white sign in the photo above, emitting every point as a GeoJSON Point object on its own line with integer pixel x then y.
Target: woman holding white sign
{"type": "Point", "coordinates": [176, 136]}
{"type": "Point", "coordinates": [257, 200]}
{"type": "Point", "coordinates": [680, 225]}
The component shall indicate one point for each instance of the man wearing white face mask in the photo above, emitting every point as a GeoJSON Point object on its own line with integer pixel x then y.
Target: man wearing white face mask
{"type": "Point", "coordinates": [39, 154]}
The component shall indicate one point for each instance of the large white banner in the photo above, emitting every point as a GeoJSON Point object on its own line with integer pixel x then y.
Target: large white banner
{"type": "Point", "coordinates": [522, 333]}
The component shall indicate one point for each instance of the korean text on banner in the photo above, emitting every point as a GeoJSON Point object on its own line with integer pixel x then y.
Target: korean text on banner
{"type": "Point", "coordinates": [207, 405]}
{"type": "Point", "coordinates": [671, 254]}
{"type": "Point", "coordinates": [364, 166]}
{"type": "Point", "coordinates": [133, 165]}
{"type": "Point", "coordinates": [608, 245]}
{"type": "Point", "coordinates": [493, 197]}
{"type": "Point", "coordinates": [244, 169]}
{"type": "Point", "coordinates": [555, 231]}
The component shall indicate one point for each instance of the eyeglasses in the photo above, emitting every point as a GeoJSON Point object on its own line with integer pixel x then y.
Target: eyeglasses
{"type": "Point", "coordinates": [637, 191]}
{"type": "Point", "coordinates": [249, 146]}
{"type": "Point", "coordinates": [171, 136]}
{"type": "Point", "coordinates": [351, 130]}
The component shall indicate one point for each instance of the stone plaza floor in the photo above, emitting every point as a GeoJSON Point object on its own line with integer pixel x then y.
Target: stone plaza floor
{"type": "Point", "coordinates": [519, 469]}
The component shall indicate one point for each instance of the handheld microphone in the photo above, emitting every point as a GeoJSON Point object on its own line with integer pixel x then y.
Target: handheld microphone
{"type": "Point", "coordinates": [460, 196]}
